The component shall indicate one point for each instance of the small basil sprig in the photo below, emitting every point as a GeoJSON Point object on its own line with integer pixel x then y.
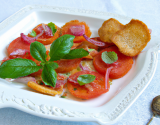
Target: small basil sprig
{"type": "Point", "coordinates": [52, 27]}
{"type": "Point", "coordinates": [33, 33]}
{"type": "Point", "coordinates": [90, 50]}
{"type": "Point", "coordinates": [109, 57]}
{"type": "Point", "coordinates": [84, 79]}
{"type": "Point", "coordinates": [60, 49]}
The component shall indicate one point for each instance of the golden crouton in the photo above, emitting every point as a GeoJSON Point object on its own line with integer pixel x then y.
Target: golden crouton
{"type": "Point", "coordinates": [44, 89]}
{"type": "Point", "coordinates": [108, 28]}
{"type": "Point", "coordinates": [133, 38]}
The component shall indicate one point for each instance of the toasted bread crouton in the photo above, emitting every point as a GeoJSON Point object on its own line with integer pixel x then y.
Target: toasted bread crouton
{"type": "Point", "coordinates": [108, 28]}
{"type": "Point", "coordinates": [44, 89]}
{"type": "Point", "coordinates": [133, 38]}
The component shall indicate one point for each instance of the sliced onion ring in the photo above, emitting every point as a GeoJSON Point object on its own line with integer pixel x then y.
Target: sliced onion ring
{"type": "Point", "coordinates": [59, 83]}
{"type": "Point", "coordinates": [44, 27]}
{"type": "Point", "coordinates": [107, 76]}
{"type": "Point", "coordinates": [97, 43]}
{"type": "Point", "coordinates": [40, 34]}
{"type": "Point", "coordinates": [27, 39]}
{"type": "Point", "coordinates": [77, 30]}
{"type": "Point", "coordinates": [19, 52]}
{"type": "Point", "coordinates": [47, 30]}
{"type": "Point", "coordinates": [25, 79]}
{"type": "Point", "coordinates": [115, 64]}
{"type": "Point", "coordinates": [83, 67]}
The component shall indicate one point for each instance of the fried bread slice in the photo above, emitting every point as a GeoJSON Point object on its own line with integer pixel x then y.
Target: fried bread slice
{"type": "Point", "coordinates": [133, 38]}
{"type": "Point", "coordinates": [44, 89]}
{"type": "Point", "coordinates": [108, 28]}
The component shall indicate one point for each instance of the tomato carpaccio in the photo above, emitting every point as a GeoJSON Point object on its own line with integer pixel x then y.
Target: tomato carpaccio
{"type": "Point", "coordinates": [20, 49]}
{"type": "Point", "coordinates": [120, 67]}
{"type": "Point", "coordinates": [90, 90]}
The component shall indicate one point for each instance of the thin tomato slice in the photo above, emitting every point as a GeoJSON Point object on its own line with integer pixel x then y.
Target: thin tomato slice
{"type": "Point", "coordinates": [17, 44]}
{"type": "Point", "coordinates": [67, 65]}
{"type": "Point", "coordinates": [90, 90]}
{"type": "Point", "coordinates": [66, 30]}
{"type": "Point", "coordinates": [46, 38]}
{"type": "Point", "coordinates": [120, 67]}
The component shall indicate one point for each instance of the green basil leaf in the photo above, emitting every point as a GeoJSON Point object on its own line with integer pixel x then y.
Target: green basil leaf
{"type": "Point", "coordinates": [38, 51]}
{"type": "Point", "coordinates": [33, 33]}
{"type": "Point", "coordinates": [49, 75]}
{"type": "Point", "coordinates": [60, 47]}
{"type": "Point", "coordinates": [66, 74]}
{"type": "Point", "coordinates": [52, 27]}
{"type": "Point", "coordinates": [90, 50]}
{"type": "Point", "coordinates": [76, 53]}
{"type": "Point", "coordinates": [0, 63]}
{"type": "Point", "coordinates": [53, 65]}
{"type": "Point", "coordinates": [84, 79]}
{"type": "Point", "coordinates": [75, 89]}
{"type": "Point", "coordinates": [18, 67]}
{"type": "Point", "coordinates": [109, 57]}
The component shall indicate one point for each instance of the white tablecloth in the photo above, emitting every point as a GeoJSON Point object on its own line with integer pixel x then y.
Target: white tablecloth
{"type": "Point", "coordinates": [146, 10]}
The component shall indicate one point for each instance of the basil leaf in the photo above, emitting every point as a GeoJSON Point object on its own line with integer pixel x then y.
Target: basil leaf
{"type": "Point", "coordinates": [53, 65]}
{"type": "Point", "coordinates": [66, 74]}
{"type": "Point", "coordinates": [0, 63]}
{"type": "Point", "coordinates": [60, 47]}
{"type": "Point", "coordinates": [90, 50]}
{"type": "Point", "coordinates": [84, 79]}
{"type": "Point", "coordinates": [109, 57]}
{"type": "Point", "coordinates": [38, 51]}
{"type": "Point", "coordinates": [49, 75]}
{"type": "Point", "coordinates": [33, 33]}
{"type": "Point", "coordinates": [18, 67]}
{"type": "Point", "coordinates": [52, 27]}
{"type": "Point", "coordinates": [76, 53]}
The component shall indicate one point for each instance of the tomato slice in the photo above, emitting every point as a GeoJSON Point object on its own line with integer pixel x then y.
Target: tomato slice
{"type": "Point", "coordinates": [66, 30]}
{"type": "Point", "coordinates": [120, 67]}
{"type": "Point", "coordinates": [90, 90]}
{"type": "Point", "coordinates": [18, 44]}
{"type": "Point", "coordinates": [19, 49]}
{"type": "Point", "coordinates": [67, 65]}
{"type": "Point", "coordinates": [46, 38]}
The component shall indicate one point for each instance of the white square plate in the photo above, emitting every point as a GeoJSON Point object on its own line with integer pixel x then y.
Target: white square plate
{"type": "Point", "coordinates": [104, 109]}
